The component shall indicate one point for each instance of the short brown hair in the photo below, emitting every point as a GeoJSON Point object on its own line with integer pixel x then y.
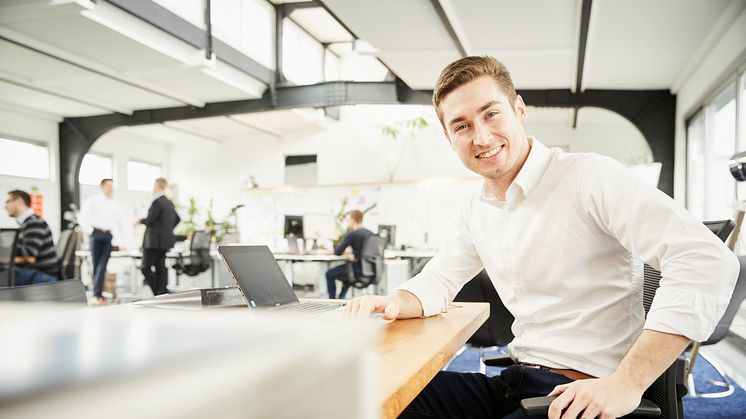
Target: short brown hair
{"type": "Point", "coordinates": [466, 69]}
{"type": "Point", "coordinates": [25, 197]}
{"type": "Point", "coordinates": [162, 183]}
{"type": "Point", "coordinates": [356, 216]}
{"type": "Point", "coordinates": [106, 180]}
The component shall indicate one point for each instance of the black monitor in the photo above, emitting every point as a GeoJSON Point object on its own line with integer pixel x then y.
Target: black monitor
{"type": "Point", "coordinates": [294, 226]}
{"type": "Point", "coordinates": [388, 233]}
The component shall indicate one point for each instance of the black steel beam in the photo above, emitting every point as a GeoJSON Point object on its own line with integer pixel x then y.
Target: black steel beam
{"type": "Point", "coordinates": [652, 112]}
{"type": "Point", "coordinates": [447, 24]}
{"type": "Point", "coordinates": [291, 7]}
{"type": "Point", "coordinates": [165, 20]}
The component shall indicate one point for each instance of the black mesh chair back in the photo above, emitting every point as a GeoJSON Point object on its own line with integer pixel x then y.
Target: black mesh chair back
{"type": "Point", "coordinates": [371, 263]}
{"type": "Point", "coordinates": [8, 239]}
{"type": "Point", "coordinates": [669, 388]}
{"type": "Point", "coordinates": [199, 255]}
{"type": "Point", "coordinates": [70, 291]}
{"type": "Point", "coordinates": [66, 246]}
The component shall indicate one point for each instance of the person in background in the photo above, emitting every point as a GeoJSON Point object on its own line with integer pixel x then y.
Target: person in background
{"type": "Point", "coordinates": [158, 238]}
{"type": "Point", "coordinates": [36, 257]}
{"type": "Point", "coordinates": [559, 235]}
{"type": "Point", "coordinates": [100, 217]}
{"type": "Point", "coordinates": [355, 237]}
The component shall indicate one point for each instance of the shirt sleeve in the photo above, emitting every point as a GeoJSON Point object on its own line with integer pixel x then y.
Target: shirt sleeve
{"type": "Point", "coordinates": [453, 266]}
{"type": "Point", "coordinates": [85, 216]}
{"type": "Point", "coordinates": [698, 271]}
{"type": "Point", "coordinates": [343, 244]}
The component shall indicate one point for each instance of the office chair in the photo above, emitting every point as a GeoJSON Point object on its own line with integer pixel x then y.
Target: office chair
{"type": "Point", "coordinates": [496, 331]}
{"type": "Point", "coordinates": [371, 261]}
{"type": "Point", "coordinates": [199, 256]}
{"type": "Point", "coordinates": [66, 246]}
{"type": "Point", "coordinates": [8, 238]}
{"type": "Point", "coordinates": [69, 291]}
{"type": "Point", "coordinates": [664, 397]}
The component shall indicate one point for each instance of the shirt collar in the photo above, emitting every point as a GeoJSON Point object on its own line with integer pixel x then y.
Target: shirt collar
{"type": "Point", "coordinates": [158, 195]}
{"type": "Point", "coordinates": [529, 175]}
{"type": "Point", "coordinates": [23, 217]}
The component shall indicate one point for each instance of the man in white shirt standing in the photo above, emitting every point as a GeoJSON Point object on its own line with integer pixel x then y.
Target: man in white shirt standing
{"type": "Point", "coordinates": [559, 234]}
{"type": "Point", "coordinates": [100, 217]}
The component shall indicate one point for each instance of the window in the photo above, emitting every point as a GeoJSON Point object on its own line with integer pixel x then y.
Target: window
{"type": "Point", "coordinates": [301, 170]}
{"type": "Point", "coordinates": [24, 159]}
{"type": "Point", "coordinates": [95, 168]}
{"type": "Point", "coordinates": [140, 176]}
{"type": "Point", "coordinates": [711, 140]}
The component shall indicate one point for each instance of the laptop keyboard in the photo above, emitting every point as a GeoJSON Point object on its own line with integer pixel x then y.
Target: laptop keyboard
{"type": "Point", "coordinates": [308, 307]}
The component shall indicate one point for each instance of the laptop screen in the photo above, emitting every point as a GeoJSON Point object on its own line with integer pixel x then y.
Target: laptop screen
{"type": "Point", "coordinates": [258, 275]}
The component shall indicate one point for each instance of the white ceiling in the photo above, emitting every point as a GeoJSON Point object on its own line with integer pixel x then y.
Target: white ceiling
{"type": "Point", "coordinates": [632, 44]}
{"type": "Point", "coordinates": [79, 58]}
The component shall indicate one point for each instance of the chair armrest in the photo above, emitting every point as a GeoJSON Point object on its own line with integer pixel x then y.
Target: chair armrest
{"type": "Point", "coordinates": [499, 361]}
{"type": "Point", "coordinates": [539, 406]}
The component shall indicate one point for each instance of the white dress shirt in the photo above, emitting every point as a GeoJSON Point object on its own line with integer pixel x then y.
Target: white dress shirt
{"type": "Point", "coordinates": [559, 252]}
{"type": "Point", "coordinates": [101, 212]}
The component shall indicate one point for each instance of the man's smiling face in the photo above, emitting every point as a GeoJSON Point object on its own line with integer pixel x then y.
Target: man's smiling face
{"type": "Point", "coordinates": [485, 129]}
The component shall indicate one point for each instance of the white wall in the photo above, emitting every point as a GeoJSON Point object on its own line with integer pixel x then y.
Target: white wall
{"type": "Point", "coordinates": [727, 51]}
{"type": "Point", "coordinates": [20, 124]}
{"type": "Point", "coordinates": [353, 151]}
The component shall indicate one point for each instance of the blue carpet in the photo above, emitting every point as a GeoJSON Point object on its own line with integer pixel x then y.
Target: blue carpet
{"type": "Point", "coordinates": [731, 407]}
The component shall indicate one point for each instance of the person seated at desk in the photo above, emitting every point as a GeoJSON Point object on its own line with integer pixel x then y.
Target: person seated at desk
{"type": "Point", "coordinates": [36, 257]}
{"type": "Point", "coordinates": [355, 237]}
{"type": "Point", "coordinates": [557, 232]}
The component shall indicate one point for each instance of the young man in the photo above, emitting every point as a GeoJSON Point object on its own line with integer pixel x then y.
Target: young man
{"type": "Point", "coordinates": [557, 233]}
{"type": "Point", "coordinates": [36, 256]}
{"type": "Point", "coordinates": [355, 237]}
{"type": "Point", "coordinates": [100, 216]}
{"type": "Point", "coordinates": [158, 238]}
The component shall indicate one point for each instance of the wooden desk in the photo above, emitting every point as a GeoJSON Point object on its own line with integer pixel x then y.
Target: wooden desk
{"type": "Point", "coordinates": [413, 351]}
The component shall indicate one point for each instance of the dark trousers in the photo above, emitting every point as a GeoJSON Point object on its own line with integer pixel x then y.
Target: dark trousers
{"type": "Point", "coordinates": [26, 276]}
{"type": "Point", "coordinates": [155, 258]}
{"type": "Point", "coordinates": [100, 243]}
{"type": "Point", "coordinates": [337, 273]}
{"type": "Point", "coordinates": [474, 395]}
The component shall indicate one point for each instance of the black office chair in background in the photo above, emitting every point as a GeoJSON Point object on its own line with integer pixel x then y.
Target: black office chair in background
{"type": "Point", "coordinates": [199, 256]}
{"type": "Point", "coordinates": [8, 238]}
{"type": "Point", "coordinates": [67, 244]}
{"type": "Point", "coordinates": [371, 260]}
{"type": "Point", "coordinates": [70, 291]}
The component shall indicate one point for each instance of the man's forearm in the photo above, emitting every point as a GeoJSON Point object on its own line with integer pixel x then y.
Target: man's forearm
{"type": "Point", "coordinates": [409, 305]}
{"type": "Point", "coordinates": [649, 357]}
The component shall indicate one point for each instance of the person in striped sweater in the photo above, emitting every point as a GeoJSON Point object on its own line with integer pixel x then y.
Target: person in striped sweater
{"type": "Point", "coordinates": [36, 257]}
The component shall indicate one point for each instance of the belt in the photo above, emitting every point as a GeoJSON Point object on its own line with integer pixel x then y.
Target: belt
{"type": "Point", "coordinates": [571, 374]}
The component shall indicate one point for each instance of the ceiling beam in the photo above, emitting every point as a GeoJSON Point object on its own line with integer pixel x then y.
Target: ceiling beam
{"type": "Point", "coordinates": [167, 21]}
{"type": "Point", "coordinates": [651, 111]}
{"type": "Point", "coordinates": [447, 24]}
{"type": "Point", "coordinates": [585, 19]}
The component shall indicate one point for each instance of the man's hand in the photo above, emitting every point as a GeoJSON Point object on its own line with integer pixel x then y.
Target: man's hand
{"type": "Point", "coordinates": [363, 307]}
{"type": "Point", "coordinates": [608, 397]}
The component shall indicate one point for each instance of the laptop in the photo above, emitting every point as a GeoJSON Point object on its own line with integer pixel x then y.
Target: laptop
{"type": "Point", "coordinates": [263, 284]}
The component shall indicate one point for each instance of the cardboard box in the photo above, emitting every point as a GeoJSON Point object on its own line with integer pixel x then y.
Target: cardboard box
{"type": "Point", "coordinates": [110, 283]}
